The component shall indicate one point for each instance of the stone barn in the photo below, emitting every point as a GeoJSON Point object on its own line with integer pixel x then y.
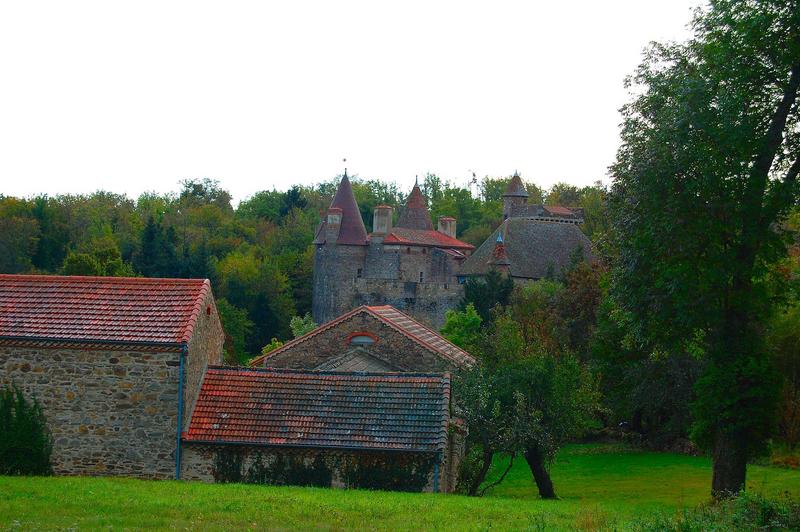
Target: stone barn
{"type": "Point", "coordinates": [321, 428]}
{"type": "Point", "coordinates": [116, 364]}
{"type": "Point", "coordinates": [369, 338]}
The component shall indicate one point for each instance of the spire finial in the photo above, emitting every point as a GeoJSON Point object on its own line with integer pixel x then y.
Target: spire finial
{"type": "Point", "coordinates": [416, 180]}
{"type": "Point", "coordinates": [345, 168]}
{"type": "Point", "coordinates": [516, 174]}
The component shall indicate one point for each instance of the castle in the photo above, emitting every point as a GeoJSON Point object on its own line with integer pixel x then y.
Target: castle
{"type": "Point", "coordinates": [421, 270]}
{"type": "Point", "coordinates": [410, 266]}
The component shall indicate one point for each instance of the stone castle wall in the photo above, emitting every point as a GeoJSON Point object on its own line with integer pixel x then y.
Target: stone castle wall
{"type": "Point", "coordinates": [348, 276]}
{"type": "Point", "coordinates": [427, 302]}
{"type": "Point", "coordinates": [392, 346]}
{"type": "Point", "coordinates": [335, 270]}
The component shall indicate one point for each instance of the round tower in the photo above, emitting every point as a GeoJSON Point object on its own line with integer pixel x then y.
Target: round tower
{"type": "Point", "coordinates": [514, 196]}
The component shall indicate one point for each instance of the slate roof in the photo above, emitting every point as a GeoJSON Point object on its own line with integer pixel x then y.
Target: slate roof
{"type": "Point", "coordinates": [417, 237]}
{"type": "Point", "coordinates": [532, 248]}
{"type": "Point", "coordinates": [415, 215]}
{"type": "Point", "coordinates": [99, 309]}
{"type": "Point", "coordinates": [278, 407]}
{"type": "Point", "coordinates": [392, 317]}
{"type": "Point", "coordinates": [352, 231]}
{"type": "Point", "coordinates": [515, 187]}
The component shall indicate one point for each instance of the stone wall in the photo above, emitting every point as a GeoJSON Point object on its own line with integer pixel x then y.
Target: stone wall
{"type": "Point", "coordinates": [111, 412]}
{"type": "Point", "coordinates": [392, 346]}
{"type": "Point", "coordinates": [335, 270]}
{"type": "Point", "coordinates": [426, 302]}
{"type": "Point", "coordinates": [205, 347]}
{"type": "Point", "coordinates": [198, 461]}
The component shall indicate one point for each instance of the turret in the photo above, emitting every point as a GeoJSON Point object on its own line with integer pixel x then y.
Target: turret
{"type": "Point", "coordinates": [514, 196]}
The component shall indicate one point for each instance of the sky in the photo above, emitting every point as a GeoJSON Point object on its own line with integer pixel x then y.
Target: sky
{"type": "Point", "coordinates": [135, 96]}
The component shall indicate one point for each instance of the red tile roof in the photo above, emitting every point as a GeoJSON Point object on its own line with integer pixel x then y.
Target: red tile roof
{"type": "Point", "coordinates": [99, 309]}
{"type": "Point", "coordinates": [392, 317]}
{"type": "Point", "coordinates": [277, 407]}
{"type": "Point", "coordinates": [559, 210]}
{"type": "Point", "coordinates": [403, 236]}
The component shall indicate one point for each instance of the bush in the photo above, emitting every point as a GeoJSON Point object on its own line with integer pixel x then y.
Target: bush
{"type": "Point", "coordinates": [271, 469]}
{"type": "Point", "coordinates": [25, 442]}
{"type": "Point", "coordinates": [745, 512]}
{"type": "Point", "coordinates": [387, 472]}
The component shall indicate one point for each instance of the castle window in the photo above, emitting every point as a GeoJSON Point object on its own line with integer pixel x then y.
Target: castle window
{"type": "Point", "coordinates": [445, 286]}
{"type": "Point", "coordinates": [420, 276]}
{"type": "Point", "coordinates": [359, 273]}
{"type": "Point", "coordinates": [408, 250]}
{"type": "Point", "coordinates": [424, 250]}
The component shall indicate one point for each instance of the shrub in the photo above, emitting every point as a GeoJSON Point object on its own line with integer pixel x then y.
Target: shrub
{"type": "Point", "coordinates": [25, 441]}
{"type": "Point", "coordinates": [745, 512]}
{"type": "Point", "coordinates": [271, 469]}
{"type": "Point", "coordinates": [387, 472]}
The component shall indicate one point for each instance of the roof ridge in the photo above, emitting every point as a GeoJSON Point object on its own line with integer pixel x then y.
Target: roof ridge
{"type": "Point", "coordinates": [417, 338]}
{"type": "Point", "coordinates": [309, 372]}
{"type": "Point", "coordinates": [161, 280]}
{"type": "Point", "coordinates": [188, 327]}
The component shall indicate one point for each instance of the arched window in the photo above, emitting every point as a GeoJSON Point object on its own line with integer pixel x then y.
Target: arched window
{"type": "Point", "coordinates": [361, 338]}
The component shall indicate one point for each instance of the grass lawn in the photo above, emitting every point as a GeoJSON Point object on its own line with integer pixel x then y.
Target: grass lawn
{"type": "Point", "coordinates": [599, 487]}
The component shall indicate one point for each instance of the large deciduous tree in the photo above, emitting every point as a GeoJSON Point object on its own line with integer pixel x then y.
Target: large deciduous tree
{"type": "Point", "coordinates": [705, 174]}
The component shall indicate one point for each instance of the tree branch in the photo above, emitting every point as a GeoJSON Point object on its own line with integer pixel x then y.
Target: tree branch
{"type": "Point", "coordinates": [502, 477]}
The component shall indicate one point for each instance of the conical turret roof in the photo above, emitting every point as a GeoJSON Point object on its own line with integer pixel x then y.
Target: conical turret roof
{"type": "Point", "coordinates": [352, 230]}
{"type": "Point", "coordinates": [515, 187]}
{"type": "Point", "coordinates": [416, 215]}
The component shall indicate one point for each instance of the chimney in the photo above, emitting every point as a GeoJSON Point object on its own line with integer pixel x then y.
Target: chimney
{"type": "Point", "coordinates": [333, 225]}
{"type": "Point", "coordinates": [447, 226]}
{"type": "Point", "coordinates": [382, 220]}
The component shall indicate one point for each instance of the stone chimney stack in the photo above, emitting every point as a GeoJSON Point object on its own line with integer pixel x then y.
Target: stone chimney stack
{"type": "Point", "coordinates": [447, 226]}
{"type": "Point", "coordinates": [382, 220]}
{"type": "Point", "coordinates": [332, 225]}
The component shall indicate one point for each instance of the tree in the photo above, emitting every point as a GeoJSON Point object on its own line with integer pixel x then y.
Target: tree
{"type": "Point", "coordinates": [26, 444]}
{"type": "Point", "coordinates": [487, 292]}
{"type": "Point", "coordinates": [706, 171]}
{"type": "Point", "coordinates": [463, 328]}
{"type": "Point", "coordinates": [157, 255]}
{"type": "Point", "coordinates": [237, 327]}
{"type": "Point", "coordinates": [301, 325]}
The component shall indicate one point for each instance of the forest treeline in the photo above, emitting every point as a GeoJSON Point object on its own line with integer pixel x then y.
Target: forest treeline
{"type": "Point", "coordinates": [257, 254]}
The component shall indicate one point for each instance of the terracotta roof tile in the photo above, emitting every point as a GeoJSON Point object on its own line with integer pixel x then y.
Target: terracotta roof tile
{"type": "Point", "coordinates": [403, 236]}
{"type": "Point", "coordinates": [100, 309]}
{"type": "Point", "coordinates": [392, 317]}
{"type": "Point", "coordinates": [380, 411]}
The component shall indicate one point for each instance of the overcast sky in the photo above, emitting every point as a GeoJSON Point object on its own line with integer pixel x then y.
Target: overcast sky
{"type": "Point", "coordinates": [135, 96]}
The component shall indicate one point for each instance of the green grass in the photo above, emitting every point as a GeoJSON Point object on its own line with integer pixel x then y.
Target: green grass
{"type": "Point", "coordinates": [598, 486]}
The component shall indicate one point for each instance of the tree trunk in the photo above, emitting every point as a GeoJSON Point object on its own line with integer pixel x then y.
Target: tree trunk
{"type": "Point", "coordinates": [488, 454]}
{"type": "Point", "coordinates": [730, 465]}
{"type": "Point", "coordinates": [540, 474]}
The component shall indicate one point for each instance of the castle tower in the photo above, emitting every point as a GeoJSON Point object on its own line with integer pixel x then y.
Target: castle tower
{"type": "Point", "coordinates": [341, 248]}
{"type": "Point", "coordinates": [416, 215]}
{"type": "Point", "coordinates": [514, 196]}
